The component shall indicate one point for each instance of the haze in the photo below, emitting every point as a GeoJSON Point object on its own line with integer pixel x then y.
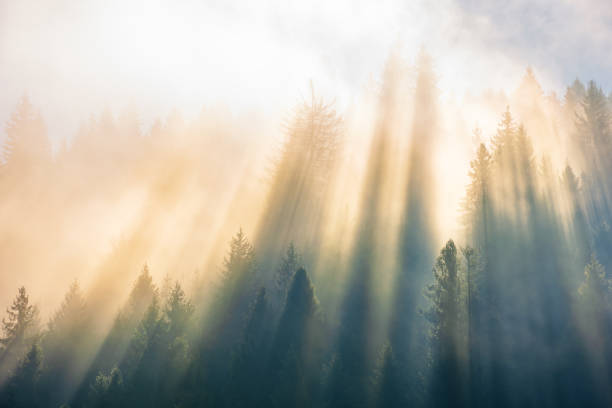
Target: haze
{"type": "Point", "coordinates": [428, 178]}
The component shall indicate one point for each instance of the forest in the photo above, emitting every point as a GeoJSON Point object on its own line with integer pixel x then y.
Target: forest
{"type": "Point", "coordinates": [322, 281]}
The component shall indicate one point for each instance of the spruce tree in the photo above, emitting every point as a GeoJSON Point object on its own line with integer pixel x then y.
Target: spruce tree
{"type": "Point", "coordinates": [26, 145]}
{"type": "Point", "coordinates": [124, 325]}
{"type": "Point", "coordinates": [247, 376]}
{"type": "Point", "coordinates": [477, 203]}
{"type": "Point", "coordinates": [21, 390]}
{"type": "Point", "coordinates": [178, 311]}
{"type": "Point", "coordinates": [293, 358]}
{"type": "Point", "coordinates": [595, 327]}
{"type": "Point", "coordinates": [20, 323]}
{"type": "Point", "coordinates": [595, 290]}
{"type": "Point", "coordinates": [389, 389]}
{"type": "Point", "coordinates": [176, 350]}
{"type": "Point", "coordinates": [19, 331]}
{"type": "Point", "coordinates": [107, 390]}
{"type": "Point", "coordinates": [285, 272]}
{"type": "Point", "coordinates": [238, 269]}
{"type": "Point", "coordinates": [300, 308]}
{"type": "Point", "coordinates": [141, 295]}
{"type": "Point", "coordinates": [65, 345]}
{"type": "Point", "coordinates": [235, 292]}
{"type": "Point", "coordinates": [70, 316]}
{"type": "Point", "coordinates": [582, 246]}
{"type": "Point", "coordinates": [446, 330]}
{"type": "Point", "coordinates": [593, 125]}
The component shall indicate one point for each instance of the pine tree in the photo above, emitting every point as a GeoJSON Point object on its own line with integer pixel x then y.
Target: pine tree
{"type": "Point", "coordinates": [21, 389]}
{"type": "Point", "coordinates": [294, 359]}
{"type": "Point", "coordinates": [141, 295]}
{"type": "Point", "coordinates": [248, 361]}
{"type": "Point", "coordinates": [476, 206]}
{"type": "Point", "coordinates": [26, 144]}
{"type": "Point", "coordinates": [475, 299]}
{"type": "Point", "coordinates": [178, 311]}
{"type": "Point", "coordinates": [300, 182]}
{"type": "Point", "coordinates": [124, 325]}
{"type": "Point", "coordinates": [238, 267]}
{"type": "Point", "coordinates": [21, 322]}
{"type": "Point", "coordinates": [142, 367]}
{"type": "Point", "coordinates": [574, 95]}
{"type": "Point", "coordinates": [145, 331]}
{"type": "Point", "coordinates": [107, 390]}
{"type": "Point", "coordinates": [65, 345]}
{"type": "Point", "coordinates": [504, 139]}
{"type": "Point", "coordinates": [300, 308]}
{"type": "Point", "coordinates": [172, 349]}
{"type": "Point", "coordinates": [71, 313]}
{"type": "Point", "coordinates": [446, 329]}
{"type": "Point", "coordinates": [505, 164]}
{"type": "Point", "coordinates": [525, 170]}
{"type": "Point", "coordinates": [593, 125]}
{"type": "Point", "coordinates": [570, 185]}
{"type": "Point", "coordinates": [285, 272]}
{"type": "Point", "coordinates": [390, 392]}
{"type": "Point", "coordinates": [165, 288]}
{"type": "Point", "coordinates": [236, 290]}
{"type": "Point", "coordinates": [19, 331]}
{"type": "Point", "coordinates": [595, 289]}
{"type": "Point", "coordinates": [224, 323]}
{"type": "Point", "coordinates": [529, 88]}
{"type": "Point", "coordinates": [594, 322]}
{"type": "Point", "coordinates": [159, 352]}
{"type": "Point", "coordinates": [524, 154]}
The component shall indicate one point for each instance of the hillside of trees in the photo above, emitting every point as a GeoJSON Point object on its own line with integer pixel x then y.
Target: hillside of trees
{"type": "Point", "coordinates": [308, 305]}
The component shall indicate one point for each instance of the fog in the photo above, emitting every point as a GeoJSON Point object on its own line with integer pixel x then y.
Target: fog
{"type": "Point", "coordinates": [295, 169]}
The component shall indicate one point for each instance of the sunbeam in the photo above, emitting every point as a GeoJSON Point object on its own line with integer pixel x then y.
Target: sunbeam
{"type": "Point", "coordinates": [293, 204]}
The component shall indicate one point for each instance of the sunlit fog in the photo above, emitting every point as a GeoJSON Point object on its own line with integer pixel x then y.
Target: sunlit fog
{"type": "Point", "coordinates": [311, 204]}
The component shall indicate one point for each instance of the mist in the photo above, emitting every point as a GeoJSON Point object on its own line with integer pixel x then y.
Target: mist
{"type": "Point", "coordinates": [341, 205]}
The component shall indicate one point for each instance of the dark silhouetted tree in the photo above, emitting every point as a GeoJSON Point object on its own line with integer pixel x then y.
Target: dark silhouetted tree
{"type": "Point", "coordinates": [246, 385]}
{"type": "Point", "coordinates": [107, 390]}
{"type": "Point", "coordinates": [448, 380]}
{"type": "Point", "coordinates": [21, 390]}
{"type": "Point", "coordinates": [293, 353]}
{"type": "Point", "coordinates": [285, 272]}
{"type": "Point", "coordinates": [389, 389]}
{"type": "Point", "coordinates": [19, 331]}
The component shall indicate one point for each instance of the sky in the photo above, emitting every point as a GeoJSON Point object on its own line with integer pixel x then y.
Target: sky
{"type": "Point", "coordinates": [75, 58]}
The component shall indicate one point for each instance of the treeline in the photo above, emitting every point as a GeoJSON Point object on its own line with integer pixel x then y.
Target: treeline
{"type": "Point", "coordinates": [520, 315]}
{"type": "Point", "coordinates": [97, 197]}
